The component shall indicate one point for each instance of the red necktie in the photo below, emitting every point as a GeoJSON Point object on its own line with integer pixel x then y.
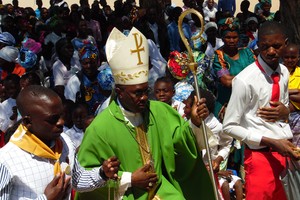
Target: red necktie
{"type": "Point", "coordinates": [275, 89]}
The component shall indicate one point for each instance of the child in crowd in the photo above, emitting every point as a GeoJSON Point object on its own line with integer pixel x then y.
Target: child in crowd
{"type": "Point", "coordinates": [79, 114]}
{"type": "Point", "coordinates": [291, 61]}
{"type": "Point", "coordinates": [164, 91]}
{"type": "Point", "coordinates": [30, 78]}
{"type": "Point", "coordinates": [68, 106]}
{"type": "Point", "coordinates": [218, 152]}
{"type": "Point", "coordinates": [12, 88]}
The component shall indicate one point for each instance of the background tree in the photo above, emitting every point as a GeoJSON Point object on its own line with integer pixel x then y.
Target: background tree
{"type": "Point", "coordinates": [290, 17]}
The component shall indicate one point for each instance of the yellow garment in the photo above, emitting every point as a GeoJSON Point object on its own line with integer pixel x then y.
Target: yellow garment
{"type": "Point", "coordinates": [30, 143]}
{"type": "Point", "coordinates": [294, 83]}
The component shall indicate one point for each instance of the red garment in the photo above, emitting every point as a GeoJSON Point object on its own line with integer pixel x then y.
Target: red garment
{"type": "Point", "coordinates": [275, 89]}
{"type": "Point", "coordinates": [1, 139]}
{"type": "Point", "coordinates": [262, 175]}
{"type": "Point", "coordinates": [250, 35]}
{"type": "Point", "coordinates": [275, 78]}
{"type": "Point", "coordinates": [18, 70]}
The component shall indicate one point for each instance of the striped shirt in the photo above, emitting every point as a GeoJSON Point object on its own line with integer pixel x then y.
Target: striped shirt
{"type": "Point", "coordinates": [38, 175]}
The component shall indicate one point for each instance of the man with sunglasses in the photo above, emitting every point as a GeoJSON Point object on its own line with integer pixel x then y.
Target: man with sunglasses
{"type": "Point", "coordinates": [160, 153]}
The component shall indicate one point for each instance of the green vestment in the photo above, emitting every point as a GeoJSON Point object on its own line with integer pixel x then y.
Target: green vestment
{"type": "Point", "coordinates": [177, 159]}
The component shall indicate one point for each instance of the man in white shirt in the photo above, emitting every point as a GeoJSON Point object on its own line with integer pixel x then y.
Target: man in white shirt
{"type": "Point", "coordinates": [255, 118]}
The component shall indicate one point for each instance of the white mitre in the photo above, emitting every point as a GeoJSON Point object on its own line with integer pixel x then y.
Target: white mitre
{"type": "Point", "coordinates": [128, 57]}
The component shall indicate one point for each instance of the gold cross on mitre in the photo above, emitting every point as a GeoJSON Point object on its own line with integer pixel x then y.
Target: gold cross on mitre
{"type": "Point", "coordinates": [138, 45]}
{"type": "Point", "coordinates": [128, 56]}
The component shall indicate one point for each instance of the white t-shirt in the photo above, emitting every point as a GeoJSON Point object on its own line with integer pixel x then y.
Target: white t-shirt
{"type": "Point", "coordinates": [60, 72]}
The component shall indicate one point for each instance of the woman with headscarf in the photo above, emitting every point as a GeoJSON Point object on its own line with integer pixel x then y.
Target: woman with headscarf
{"type": "Point", "coordinates": [265, 14]}
{"type": "Point", "coordinates": [8, 62]}
{"type": "Point", "coordinates": [28, 56]}
{"type": "Point", "coordinates": [90, 85]}
{"type": "Point", "coordinates": [229, 60]}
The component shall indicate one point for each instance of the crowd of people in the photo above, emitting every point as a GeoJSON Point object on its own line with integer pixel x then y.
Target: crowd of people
{"type": "Point", "coordinates": [100, 103]}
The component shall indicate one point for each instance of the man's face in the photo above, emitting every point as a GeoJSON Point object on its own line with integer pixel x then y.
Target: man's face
{"type": "Point", "coordinates": [271, 48]}
{"type": "Point", "coordinates": [210, 4]}
{"type": "Point", "coordinates": [164, 92]}
{"type": "Point", "coordinates": [252, 25]}
{"type": "Point", "coordinates": [133, 97]}
{"type": "Point", "coordinates": [45, 119]}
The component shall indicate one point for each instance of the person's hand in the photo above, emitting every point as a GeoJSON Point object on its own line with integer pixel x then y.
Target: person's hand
{"type": "Point", "coordinates": [216, 163]}
{"type": "Point", "coordinates": [110, 167]}
{"type": "Point", "coordinates": [282, 146]}
{"type": "Point", "coordinates": [277, 111]}
{"type": "Point", "coordinates": [144, 178]}
{"type": "Point", "coordinates": [199, 111]}
{"type": "Point", "coordinates": [58, 188]}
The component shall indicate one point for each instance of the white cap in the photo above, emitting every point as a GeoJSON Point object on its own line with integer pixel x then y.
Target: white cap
{"type": "Point", "coordinates": [249, 19]}
{"type": "Point", "coordinates": [9, 53]}
{"type": "Point", "coordinates": [128, 57]}
{"type": "Point", "coordinates": [210, 25]}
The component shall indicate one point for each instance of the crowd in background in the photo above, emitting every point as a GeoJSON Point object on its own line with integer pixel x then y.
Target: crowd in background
{"type": "Point", "coordinates": [63, 48]}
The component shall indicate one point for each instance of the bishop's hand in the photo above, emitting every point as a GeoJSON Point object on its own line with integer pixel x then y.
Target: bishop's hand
{"type": "Point", "coordinates": [199, 111]}
{"type": "Point", "coordinates": [143, 178]}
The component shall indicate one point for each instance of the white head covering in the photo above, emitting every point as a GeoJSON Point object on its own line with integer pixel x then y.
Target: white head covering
{"type": "Point", "coordinates": [128, 57]}
{"type": "Point", "coordinates": [9, 53]}
{"type": "Point", "coordinates": [210, 25]}
{"type": "Point", "coordinates": [249, 19]}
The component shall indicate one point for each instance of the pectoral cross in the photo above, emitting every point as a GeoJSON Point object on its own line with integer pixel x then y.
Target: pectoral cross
{"type": "Point", "coordinates": [138, 49]}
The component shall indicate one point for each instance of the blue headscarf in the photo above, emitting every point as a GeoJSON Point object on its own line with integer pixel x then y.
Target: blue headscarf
{"type": "Point", "coordinates": [106, 79]}
{"type": "Point", "coordinates": [182, 91]}
{"type": "Point", "coordinates": [29, 60]}
{"type": "Point", "coordinates": [88, 51]}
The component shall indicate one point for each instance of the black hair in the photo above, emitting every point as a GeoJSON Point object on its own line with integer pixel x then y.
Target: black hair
{"type": "Point", "coordinates": [32, 78]}
{"type": "Point", "coordinates": [12, 78]}
{"type": "Point", "coordinates": [59, 45]}
{"type": "Point", "coordinates": [30, 95]}
{"type": "Point", "coordinates": [165, 79]}
{"type": "Point", "coordinates": [208, 95]}
{"type": "Point", "coordinates": [270, 28]}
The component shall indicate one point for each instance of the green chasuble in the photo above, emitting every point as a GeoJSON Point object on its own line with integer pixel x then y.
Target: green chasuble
{"type": "Point", "coordinates": [177, 159]}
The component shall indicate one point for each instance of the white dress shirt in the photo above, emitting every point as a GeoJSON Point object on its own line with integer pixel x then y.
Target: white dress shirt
{"type": "Point", "coordinates": [251, 90]}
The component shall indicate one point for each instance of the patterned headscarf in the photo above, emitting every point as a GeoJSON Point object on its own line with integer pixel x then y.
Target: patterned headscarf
{"type": "Point", "coordinates": [228, 24]}
{"type": "Point", "coordinates": [182, 91]}
{"type": "Point", "coordinates": [178, 65]}
{"type": "Point", "coordinates": [28, 53]}
{"type": "Point", "coordinates": [32, 45]}
{"type": "Point", "coordinates": [88, 51]}
{"type": "Point", "coordinates": [106, 79]}
{"type": "Point", "coordinates": [29, 59]}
